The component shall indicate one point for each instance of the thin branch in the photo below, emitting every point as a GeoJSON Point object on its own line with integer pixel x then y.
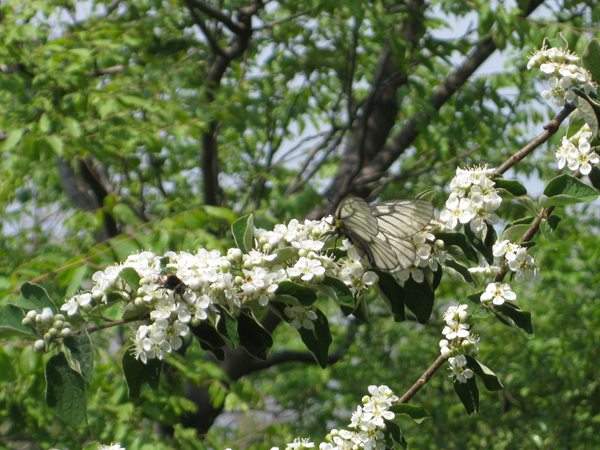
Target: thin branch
{"type": "Point", "coordinates": [423, 379]}
{"type": "Point", "coordinates": [210, 38]}
{"type": "Point", "coordinates": [549, 130]}
{"type": "Point", "coordinates": [104, 326]}
{"type": "Point", "coordinates": [217, 15]}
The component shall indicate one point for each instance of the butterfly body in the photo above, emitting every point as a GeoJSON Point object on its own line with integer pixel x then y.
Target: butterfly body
{"type": "Point", "coordinates": [383, 231]}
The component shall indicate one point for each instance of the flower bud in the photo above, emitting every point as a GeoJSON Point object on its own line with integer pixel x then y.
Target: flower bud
{"type": "Point", "coordinates": [58, 324]}
{"type": "Point", "coordinates": [26, 321]}
{"type": "Point", "coordinates": [39, 345]}
{"type": "Point", "coordinates": [59, 317]}
{"type": "Point", "coordinates": [234, 254]}
{"type": "Point", "coordinates": [65, 332]}
{"type": "Point", "coordinates": [31, 315]}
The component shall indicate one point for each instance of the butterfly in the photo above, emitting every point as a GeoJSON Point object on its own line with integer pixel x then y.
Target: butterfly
{"type": "Point", "coordinates": [383, 231]}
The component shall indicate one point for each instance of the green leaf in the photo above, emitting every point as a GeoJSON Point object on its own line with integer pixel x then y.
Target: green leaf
{"type": "Point", "coordinates": [567, 190]}
{"type": "Point", "coordinates": [34, 296]}
{"type": "Point", "coordinates": [591, 59]}
{"type": "Point", "coordinates": [65, 391]}
{"type": "Point", "coordinates": [56, 144]}
{"type": "Point", "coordinates": [468, 394]}
{"type": "Point", "coordinates": [489, 378]}
{"type": "Point", "coordinates": [253, 336]}
{"type": "Point", "coordinates": [393, 431]}
{"type": "Point", "coordinates": [318, 340]}
{"type": "Point", "coordinates": [82, 354]}
{"type": "Point", "coordinates": [209, 339]}
{"type": "Point", "coordinates": [10, 322]}
{"type": "Point", "coordinates": [243, 233]}
{"type": "Point", "coordinates": [475, 298]}
{"type": "Point", "coordinates": [305, 295]}
{"type": "Point", "coordinates": [284, 255]}
{"type": "Point", "coordinates": [76, 278]}
{"type": "Point", "coordinates": [515, 233]}
{"type": "Point", "coordinates": [131, 277]}
{"type": "Point", "coordinates": [227, 327]}
{"type": "Point", "coordinates": [512, 186]}
{"type": "Point", "coordinates": [594, 177]}
{"type": "Point", "coordinates": [483, 246]}
{"type": "Point", "coordinates": [418, 297]}
{"type": "Point", "coordinates": [459, 240]}
{"type": "Point", "coordinates": [394, 294]}
{"type": "Point", "coordinates": [553, 221]}
{"type": "Point", "coordinates": [462, 270]}
{"type": "Point", "coordinates": [137, 373]}
{"type": "Point", "coordinates": [13, 138]}
{"type": "Point", "coordinates": [337, 290]}
{"type": "Point", "coordinates": [416, 412]}
{"type": "Point", "coordinates": [520, 318]}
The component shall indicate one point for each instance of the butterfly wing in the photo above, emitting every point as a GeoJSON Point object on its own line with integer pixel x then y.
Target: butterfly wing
{"type": "Point", "coordinates": [381, 230]}
{"type": "Point", "coordinates": [402, 218]}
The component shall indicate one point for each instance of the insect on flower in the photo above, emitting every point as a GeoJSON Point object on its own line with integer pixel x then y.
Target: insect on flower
{"type": "Point", "coordinates": [383, 231]}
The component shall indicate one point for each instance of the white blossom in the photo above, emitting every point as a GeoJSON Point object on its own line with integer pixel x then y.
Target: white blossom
{"type": "Point", "coordinates": [498, 293]}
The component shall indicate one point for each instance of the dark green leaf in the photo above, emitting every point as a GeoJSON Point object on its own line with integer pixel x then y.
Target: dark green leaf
{"type": "Point", "coordinates": [484, 247]}
{"type": "Point", "coordinates": [437, 277]}
{"type": "Point", "coordinates": [82, 353]}
{"type": "Point", "coordinates": [318, 340]}
{"type": "Point", "coordinates": [209, 339]}
{"type": "Point", "coordinates": [227, 327]}
{"type": "Point", "coordinates": [137, 373]}
{"type": "Point", "coordinates": [416, 412]}
{"type": "Point", "coordinates": [35, 296]}
{"type": "Point", "coordinates": [393, 431]}
{"type": "Point", "coordinates": [594, 177]}
{"type": "Point", "coordinates": [567, 190]}
{"type": "Point", "coordinates": [243, 233]}
{"type": "Point", "coordinates": [520, 318]}
{"type": "Point", "coordinates": [460, 241]}
{"type": "Point", "coordinates": [304, 294]}
{"type": "Point", "coordinates": [253, 336]}
{"type": "Point", "coordinates": [65, 391]}
{"type": "Point", "coordinates": [418, 297]}
{"type": "Point", "coordinates": [468, 394]}
{"type": "Point", "coordinates": [489, 378]}
{"type": "Point", "coordinates": [393, 293]}
{"type": "Point", "coordinates": [512, 186]}
{"type": "Point", "coordinates": [10, 322]}
{"type": "Point", "coordinates": [591, 59]}
{"type": "Point", "coordinates": [475, 298]}
{"type": "Point", "coordinates": [460, 269]}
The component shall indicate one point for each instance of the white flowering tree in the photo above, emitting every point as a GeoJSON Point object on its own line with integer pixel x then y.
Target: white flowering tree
{"type": "Point", "coordinates": [224, 301]}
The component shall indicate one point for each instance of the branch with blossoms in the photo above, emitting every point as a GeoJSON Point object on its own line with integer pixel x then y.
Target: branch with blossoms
{"type": "Point", "coordinates": [294, 271]}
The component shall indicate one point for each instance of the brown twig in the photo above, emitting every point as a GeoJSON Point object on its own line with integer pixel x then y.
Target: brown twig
{"type": "Point", "coordinates": [423, 379]}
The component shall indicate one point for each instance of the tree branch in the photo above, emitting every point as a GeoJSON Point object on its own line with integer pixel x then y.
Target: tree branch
{"type": "Point", "coordinates": [549, 130]}
{"type": "Point", "coordinates": [375, 167]}
{"type": "Point", "coordinates": [214, 13]}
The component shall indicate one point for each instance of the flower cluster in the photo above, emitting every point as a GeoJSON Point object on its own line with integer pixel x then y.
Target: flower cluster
{"type": "Point", "coordinates": [577, 153]}
{"type": "Point", "coordinates": [564, 74]}
{"type": "Point", "coordinates": [430, 254]}
{"type": "Point", "coordinates": [180, 289]}
{"type": "Point", "coordinates": [458, 341]}
{"type": "Point", "coordinates": [473, 200]}
{"type": "Point", "coordinates": [367, 424]}
{"type": "Point", "coordinates": [515, 257]}
{"type": "Point", "coordinates": [48, 325]}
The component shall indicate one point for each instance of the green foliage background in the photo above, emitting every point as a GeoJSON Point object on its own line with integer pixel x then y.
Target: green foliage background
{"type": "Point", "coordinates": [119, 90]}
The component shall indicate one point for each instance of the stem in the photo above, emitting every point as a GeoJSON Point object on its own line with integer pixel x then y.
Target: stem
{"type": "Point", "coordinates": [549, 130]}
{"type": "Point", "coordinates": [423, 379]}
{"type": "Point", "coordinates": [115, 323]}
